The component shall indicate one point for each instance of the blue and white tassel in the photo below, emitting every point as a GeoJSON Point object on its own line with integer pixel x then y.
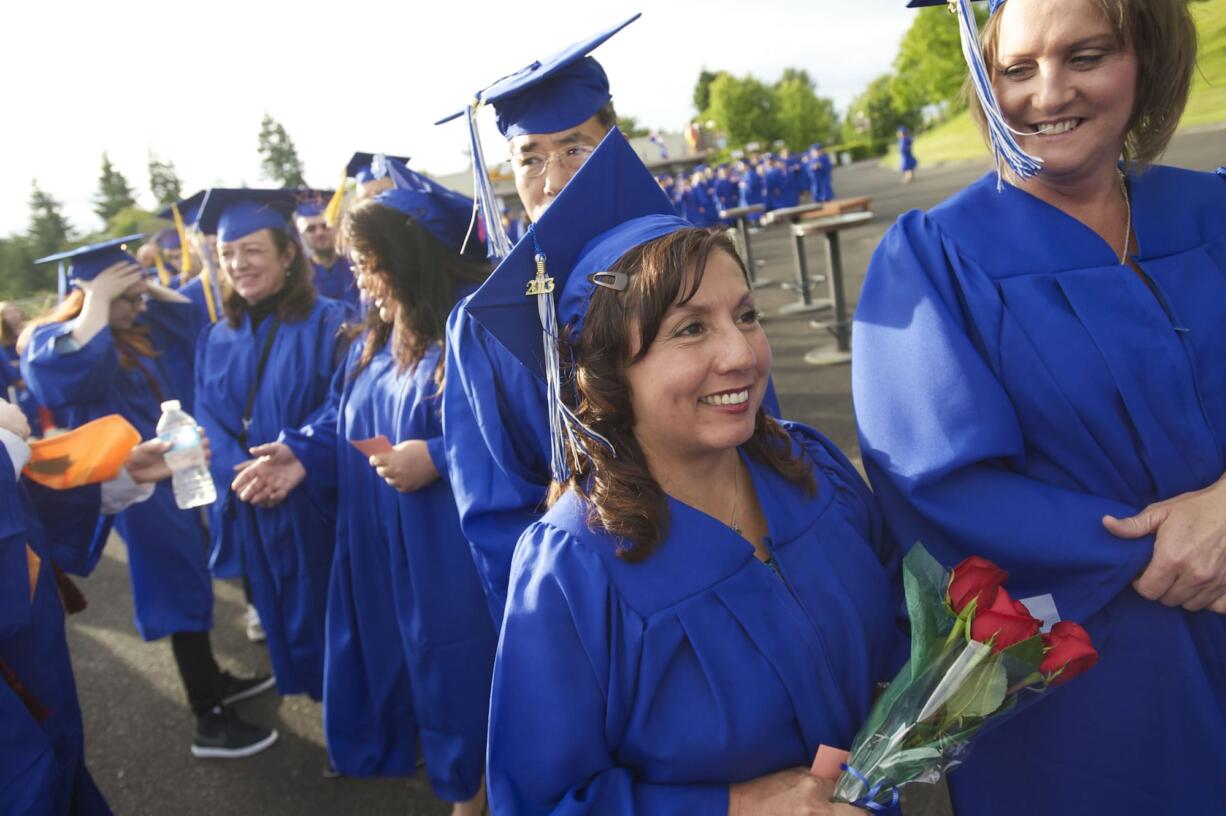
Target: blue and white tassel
{"type": "Point", "coordinates": [564, 426]}
{"type": "Point", "coordinates": [484, 198]}
{"type": "Point", "coordinates": [1005, 148]}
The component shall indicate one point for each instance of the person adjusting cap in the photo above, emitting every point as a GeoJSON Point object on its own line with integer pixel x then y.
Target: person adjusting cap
{"type": "Point", "coordinates": [546, 96]}
{"type": "Point", "coordinates": [87, 262]}
{"type": "Point", "coordinates": [612, 205]}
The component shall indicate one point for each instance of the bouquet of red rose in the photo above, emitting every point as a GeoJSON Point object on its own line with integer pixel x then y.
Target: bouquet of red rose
{"type": "Point", "coordinates": [977, 655]}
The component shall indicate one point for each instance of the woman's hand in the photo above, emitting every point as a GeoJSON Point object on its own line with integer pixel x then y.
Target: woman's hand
{"type": "Point", "coordinates": [99, 293]}
{"type": "Point", "coordinates": [407, 467]}
{"type": "Point", "coordinates": [146, 463]}
{"type": "Point", "coordinates": [794, 792]}
{"type": "Point", "coordinates": [13, 419]}
{"type": "Point", "coordinates": [1188, 568]}
{"type": "Point", "coordinates": [266, 480]}
{"type": "Point", "coordinates": [111, 282]}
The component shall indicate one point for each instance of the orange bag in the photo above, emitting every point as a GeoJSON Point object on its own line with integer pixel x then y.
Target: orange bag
{"type": "Point", "coordinates": [94, 452]}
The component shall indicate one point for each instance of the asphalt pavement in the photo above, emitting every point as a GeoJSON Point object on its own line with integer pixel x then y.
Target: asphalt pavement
{"type": "Point", "coordinates": [138, 729]}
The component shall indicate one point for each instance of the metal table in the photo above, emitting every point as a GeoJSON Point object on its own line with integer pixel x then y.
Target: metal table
{"type": "Point", "coordinates": [741, 216]}
{"type": "Point", "coordinates": [828, 227]}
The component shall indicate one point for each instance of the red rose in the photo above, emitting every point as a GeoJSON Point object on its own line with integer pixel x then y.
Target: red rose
{"type": "Point", "coordinates": [1067, 649]}
{"type": "Point", "coordinates": [1007, 620]}
{"type": "Point", "coordinates": [975, 577]}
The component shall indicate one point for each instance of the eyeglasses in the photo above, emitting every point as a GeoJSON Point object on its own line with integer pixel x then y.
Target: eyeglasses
{"type": "Point", "coordinates": [533, 165]}
{"type": "Point", "coordinates": [134, 300]}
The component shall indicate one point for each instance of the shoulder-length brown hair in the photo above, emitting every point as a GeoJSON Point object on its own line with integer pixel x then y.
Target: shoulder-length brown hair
{"type": "Point", "coordinates": [1163, 36]}
{"type": "Point", "coordinates": [129, 343]}
{"type": "Point", "coordinates": [296, 300]}
{"type": "Point", "coordinates": [625, 499]}
{"type": "Point", "coordinates": [419, 274]}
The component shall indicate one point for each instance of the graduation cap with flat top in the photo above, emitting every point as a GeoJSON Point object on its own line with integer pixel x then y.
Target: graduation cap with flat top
{"type": "Point", "coordinates": [189, 209]}
{"type": "Point", "coordinates": [546, 96]}
{"type": "Point", "coordinates": [232, 213]}
{"type": "Point", "coordinates": [368, 167]}
{"type": "Point", "coordinates": [87, 262]}
{"type": "Point", "coordinates": [596, 219]}
{"type": "Point", "coordinates": [444, 212]}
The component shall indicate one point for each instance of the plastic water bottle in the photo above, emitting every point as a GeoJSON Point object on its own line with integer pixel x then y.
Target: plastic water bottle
{"type": "Point", "coordinates": [192, 481]}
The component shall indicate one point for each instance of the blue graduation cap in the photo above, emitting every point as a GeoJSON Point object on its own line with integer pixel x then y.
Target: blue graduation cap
{"type": "Point", "coordinates": [87, 262]}
{"type": "Point", "coordinates": [363, 167]}
{"type": "Point", "coordinates": [189, 209]}
{"type": "Point", "coordinates": [312, 202]}
{"type": "Point", "coordinates": [233, 213]}
{"type": "Point", "coordinates": [546, 96]}
{"type": "Point", "coordinates": [1004, 146]}
{"type": "Point", "coordinates": [444, 212]}
{"type": "Point", "coordinates": [168, 238]}
{"type": "Point", "coordinates": [612, 205]}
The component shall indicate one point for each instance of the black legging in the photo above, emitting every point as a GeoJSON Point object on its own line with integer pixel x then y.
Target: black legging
{"type": "Point", "coordinates": [198, 668]}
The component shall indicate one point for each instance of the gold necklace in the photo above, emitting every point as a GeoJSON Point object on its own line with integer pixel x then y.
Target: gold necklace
{"type": "Point", "coordinates": [736, 500]}
{"type": "Point", "coordinates": [1128, 223]}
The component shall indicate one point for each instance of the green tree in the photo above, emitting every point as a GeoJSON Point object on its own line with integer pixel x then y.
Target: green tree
{"type": "Point", "coordinates": [875, 115]}
{"type": "Point", "coordinates": [18, 275]}
{"type": "Point", "coordinates": [800, 115]}
{"type": "Point", "coordinates": [929, 67]}
{"type": "Point", "coordinates": [743, 108]}
{"type": "Point", "coordinates": [799, 75]}
{"type": "Point", "coordinates": [49, 230]}
{"type": "Point", "coordinates": [114, 192]}
{"type": "Point", "coordinates": [629, 125]}
{"type": "Point", "coordinates": [278, 156]}
{"type": "Point", "coordinates": [702, 90]}
{"type": "Point", "coordinates": [164, 181]}
{"type": "Point", "coordinates": [131, 220]}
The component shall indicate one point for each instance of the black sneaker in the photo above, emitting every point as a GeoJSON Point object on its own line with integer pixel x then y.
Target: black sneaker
{"type": "Point", "coordinates": [234, 688]}
{"type": "Point", "coordinates": [221, 734]}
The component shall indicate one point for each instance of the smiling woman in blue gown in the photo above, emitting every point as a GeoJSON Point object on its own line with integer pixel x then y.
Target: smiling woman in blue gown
{"type": "Point", "coordinates": [265, 367]}
{"type": "Point", "coordinates": [1038, 379]}
{"type": "Point", "coordinates": [711, 594]}
{"type": "Point", "coordinates": [410, 644]}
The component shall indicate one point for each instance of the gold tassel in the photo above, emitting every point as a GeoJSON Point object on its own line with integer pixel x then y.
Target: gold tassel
{"type": "Point", "coordinates": [185, 247]}
{"type": "Point", "coordinates": [163, 275]}
{"type": "Point", "coordinates": [336, 204]}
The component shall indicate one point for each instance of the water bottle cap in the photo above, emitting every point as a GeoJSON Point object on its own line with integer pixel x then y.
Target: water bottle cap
{"type": "Point", "coordinates": [171, 405]}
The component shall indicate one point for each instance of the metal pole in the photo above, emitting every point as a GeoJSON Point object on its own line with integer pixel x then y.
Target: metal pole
{"type": "Point", "coordinates": [834, 263]}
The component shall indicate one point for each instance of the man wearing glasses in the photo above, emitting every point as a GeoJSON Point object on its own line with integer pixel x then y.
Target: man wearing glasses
{"type": "Point", "coordinates": [333, 277]}
{"type": "Point", "coordinates": [553, 114]}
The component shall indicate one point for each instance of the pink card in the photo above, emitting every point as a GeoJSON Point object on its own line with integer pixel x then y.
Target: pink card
{"type": "Point", "coordinates": [373, 446]}
{"type": "Point", "coordinates": [826, 763]}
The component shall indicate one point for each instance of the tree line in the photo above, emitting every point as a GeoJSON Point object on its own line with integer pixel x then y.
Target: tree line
{"type": "Point", "coordinates": [49, 229]}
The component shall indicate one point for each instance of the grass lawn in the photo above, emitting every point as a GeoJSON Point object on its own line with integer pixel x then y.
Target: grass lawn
{"type": "Point", "coordinates": [959, 140]}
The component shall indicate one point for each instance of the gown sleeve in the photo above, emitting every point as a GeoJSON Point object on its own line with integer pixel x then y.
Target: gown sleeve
{"type": "Point", "coordinates": [61, 373]}
{"type": "Point", "coordinates": [943, 446]}
{"type": "Point", "coordinates": [492, 449]}
{"type": "Point", "coordinates": [314, 443]}
{"type": "Point", "coordinates": [554, 700]}
{"type": "Point", "coordinates": [14, 573]}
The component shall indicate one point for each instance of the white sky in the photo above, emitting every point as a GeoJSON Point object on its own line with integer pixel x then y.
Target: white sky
{"type": "Point", "coordinates": [192, 80]}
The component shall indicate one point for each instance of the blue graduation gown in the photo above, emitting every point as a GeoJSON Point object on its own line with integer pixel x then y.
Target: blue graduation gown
{"type": "Point", "coordinates": [1013, 384]}
{"type": "Point", "coordinates": [42, 765]}
{"type": "Point", "coordinates": [752, 190]}
{"type": "Point", "coordinates": [10, 377]}
{"type": "Point", "coordinates": [650, 688]}
{"type": "Point", "coordinates": [167, 550]}
{"type": "Point", "coordinates": [285, 551]}
{"type": "Point", "coordinates": [497, 442]}
{"type": "Point", "coordinates": [906, 159]}
{"type": "Point", "coordinates": [410, 644]}
{"type": "Point", "coordinates": [337, 282]}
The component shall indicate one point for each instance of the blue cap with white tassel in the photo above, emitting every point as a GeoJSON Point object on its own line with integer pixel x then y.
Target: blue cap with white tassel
{"type": "Point", "coordinates": [546, 96]}
{"type": "Point", "coordinates": [612, 205]}
{"type": "Point", "coordinates": [1005, 148]}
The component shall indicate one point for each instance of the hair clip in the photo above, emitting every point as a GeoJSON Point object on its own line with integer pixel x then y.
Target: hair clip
{"type": "Point", "coordinates": [617, 281]}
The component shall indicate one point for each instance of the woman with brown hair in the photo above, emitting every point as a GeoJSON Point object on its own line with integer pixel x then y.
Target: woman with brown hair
{"type": "Point", "coordinates": [711, 594]}
{"type": "Point", "coordinates": [118, 345]}
{"type": "Point", "coordinates": [410, 645]}
{"type": "Point", "coordinates": [265, 367]}
{"type": "Point", "coordinates": [1038, 379]}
